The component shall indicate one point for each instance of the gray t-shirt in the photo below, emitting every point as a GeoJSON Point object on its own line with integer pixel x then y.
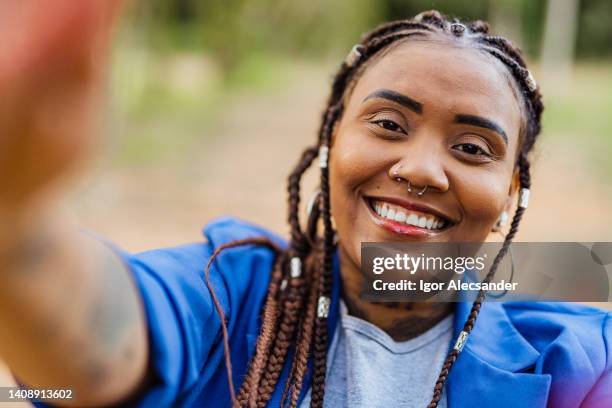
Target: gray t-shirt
{"type": "Point", "coordinates": [367, 368]}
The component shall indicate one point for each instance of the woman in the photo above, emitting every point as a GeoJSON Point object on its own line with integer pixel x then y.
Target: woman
{"type": "Point", "coordinates": [425, 137]}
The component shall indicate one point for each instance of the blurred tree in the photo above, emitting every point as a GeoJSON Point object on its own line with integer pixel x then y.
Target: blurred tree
{"type": "Point", "coordinates": [506, 18]}
{"type": "Point", "coordinates": [595, 29]}
{"type": "Point", "coordinates": [559, 39]}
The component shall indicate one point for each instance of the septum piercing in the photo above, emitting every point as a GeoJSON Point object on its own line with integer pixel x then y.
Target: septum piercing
{"type": "Point", "coordinates": [419, 193]}
{"type": "Point", "coordinates": [399, 179]}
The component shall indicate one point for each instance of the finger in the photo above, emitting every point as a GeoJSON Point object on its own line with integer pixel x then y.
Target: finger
{"type": "Point", "coordinates": [37, 33]}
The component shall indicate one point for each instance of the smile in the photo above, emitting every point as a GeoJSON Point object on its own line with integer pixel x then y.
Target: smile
{"type": "Point", "coordinates": [405, 219]}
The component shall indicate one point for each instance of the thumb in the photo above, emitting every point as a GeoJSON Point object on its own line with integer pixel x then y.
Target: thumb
{"type": "Point", "coordinates": [38, 33]}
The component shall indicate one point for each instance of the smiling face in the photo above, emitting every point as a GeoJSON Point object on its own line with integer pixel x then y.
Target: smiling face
{"type": "Point", "coordinates": [435, 114]}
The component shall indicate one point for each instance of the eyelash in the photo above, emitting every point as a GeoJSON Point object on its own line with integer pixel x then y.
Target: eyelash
{"type": "Point", "coordinates": [480, 150]}
{"type": "Point", "coordinates": [381, 122]}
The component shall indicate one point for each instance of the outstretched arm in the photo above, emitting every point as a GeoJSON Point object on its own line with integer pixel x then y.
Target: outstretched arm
{"type": "Point", "coordinates": [70, 315]}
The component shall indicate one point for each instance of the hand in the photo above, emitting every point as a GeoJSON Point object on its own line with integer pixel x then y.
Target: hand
{"type": "Point", "coordinates": [52, 54]}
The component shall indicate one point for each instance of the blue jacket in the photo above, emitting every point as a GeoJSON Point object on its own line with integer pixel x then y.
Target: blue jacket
{"type": "Point", "coordinates": [519, 354]}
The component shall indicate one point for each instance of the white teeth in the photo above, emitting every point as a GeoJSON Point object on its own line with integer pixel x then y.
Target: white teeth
{"type": "Point", "coordinates": [400, 216]}
{"type": "Point", "coordinates": [422, 222]}
{"type": "Point", "coordinates": [413, 220]}
{"type": "Point", "coordinates": [387, 211]}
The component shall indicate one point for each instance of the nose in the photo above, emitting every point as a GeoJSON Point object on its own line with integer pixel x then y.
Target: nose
{"type": "Point", "coordinates": [422, 167]}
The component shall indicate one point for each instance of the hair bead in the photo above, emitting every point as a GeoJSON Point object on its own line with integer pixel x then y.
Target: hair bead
{"type": "Point", "coordinates": [531, 82]}
{"type": "Point", "coordinates": [353, 55]}
{"type": "Point", "coordinates": [323, 307]}
{"type": "Point", "coordinates": [323, 156]}
{"type": "Point", "coordinates": [524, 198]}
{"type": "Point", "coordinates": [296, 267]}
{"type": "Point", "coordinates": [457, 29]}
{"type": "Point", "coordinates": [461, 340]}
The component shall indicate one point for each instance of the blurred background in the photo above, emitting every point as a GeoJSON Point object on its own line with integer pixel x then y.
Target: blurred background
{"type": "Point", "coordinates": [210, 103]}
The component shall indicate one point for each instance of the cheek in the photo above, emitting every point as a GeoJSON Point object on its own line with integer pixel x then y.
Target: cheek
{"type": "Point", "coordinates": [355, 160]}
{"type": "Point", "coordinates": [357, 163]}
{"type": "Point", "coordinates": [482, 196]}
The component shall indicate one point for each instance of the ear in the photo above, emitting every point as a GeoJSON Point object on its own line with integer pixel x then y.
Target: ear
{"type": "Point", "coordinates": [515, 183]}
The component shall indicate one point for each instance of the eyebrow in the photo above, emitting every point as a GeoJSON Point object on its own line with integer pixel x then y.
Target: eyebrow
{"type": "Point", "coordinates": [483, 123]}
{"type": "Point", "coordinates": [397, 98]}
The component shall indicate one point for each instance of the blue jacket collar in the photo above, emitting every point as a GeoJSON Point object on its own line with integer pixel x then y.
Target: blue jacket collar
{"type": "Point", "coordinates": [495, 339]}
{"type": "Point", "coordinates": [495, 367]}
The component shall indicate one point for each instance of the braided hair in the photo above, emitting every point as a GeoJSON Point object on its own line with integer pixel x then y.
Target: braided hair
{"type": "Point", "coordinates": [294, 316]}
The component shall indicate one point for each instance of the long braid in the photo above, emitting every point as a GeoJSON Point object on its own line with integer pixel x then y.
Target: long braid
{"type": "Point", "coordinates": [262, 348]}
{"type": "Point", "coordinates": [298, 242]}
{"type": "Point", "coordinates": [217, 303]}
{"type": "Point", "coordinates": [292, 304]}
{"type": "Point", "coordinates": [252, 392]}
{"type": "Point", "coordinates": [300, 362]}
{"type": "Point", "coordinates": [525, 182]}
{"type": "Point", "coordinates": [289, 316]}
{"type": "Point", "coordinates": [292, 298]}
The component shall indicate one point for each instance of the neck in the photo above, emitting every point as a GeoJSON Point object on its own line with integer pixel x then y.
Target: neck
{"type": "Point", "coordinates": [401, 320]}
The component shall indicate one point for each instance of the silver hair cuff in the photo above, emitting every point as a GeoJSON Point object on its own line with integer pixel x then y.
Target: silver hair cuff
{"type": "Point", "coordinates": [296, 267]}
{"type": "Point", "coordinates": [531, 82]}
{"type": "Point", "coordinates": [323, 156]}
{"type": "Point", "coordinates": [461, 340]}
{"type": "Point", "coordinates": [353, 55]}
{"type": "Point", "coordinates": [524, 198]}
{"type": "Point", "coordinates": [323, 307]}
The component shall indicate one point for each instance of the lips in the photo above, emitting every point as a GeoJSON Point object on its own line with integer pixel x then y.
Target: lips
{"type": "Point", "coordinates": [389, 211]}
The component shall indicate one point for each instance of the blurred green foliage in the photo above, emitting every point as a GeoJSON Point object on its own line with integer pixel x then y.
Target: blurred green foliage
{"type": "Point", "coordinates": [581, 115]}
{"type": "Point", "coordinates": [235, 29]}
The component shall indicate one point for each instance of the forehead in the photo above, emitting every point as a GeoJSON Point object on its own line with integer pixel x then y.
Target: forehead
{"type": "Point", "coordinates": [445, 78]}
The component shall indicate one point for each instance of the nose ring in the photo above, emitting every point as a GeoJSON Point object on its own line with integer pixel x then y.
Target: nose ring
{"type": "Point", "coordinates": [419, 193]}
{"type": "Point", "coordinates": [399, 179]}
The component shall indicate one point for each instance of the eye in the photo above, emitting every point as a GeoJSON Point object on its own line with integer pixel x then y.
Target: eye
{"type": "Point", "coordinates": [472, 149]}
{"type": "Point", "coordinates": [388, 124]}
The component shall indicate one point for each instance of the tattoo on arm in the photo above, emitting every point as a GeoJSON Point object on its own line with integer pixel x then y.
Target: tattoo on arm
{"type": "Point", "coordinates": [27, 258]}
{"type": "Point", "coordinates": [113, 308]}
{"type": "Point", "coordinates": [113, 314]}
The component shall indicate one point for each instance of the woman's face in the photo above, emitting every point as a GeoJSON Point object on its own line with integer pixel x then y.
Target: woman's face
{"type": "Point", "coordinates": [439, 116]}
